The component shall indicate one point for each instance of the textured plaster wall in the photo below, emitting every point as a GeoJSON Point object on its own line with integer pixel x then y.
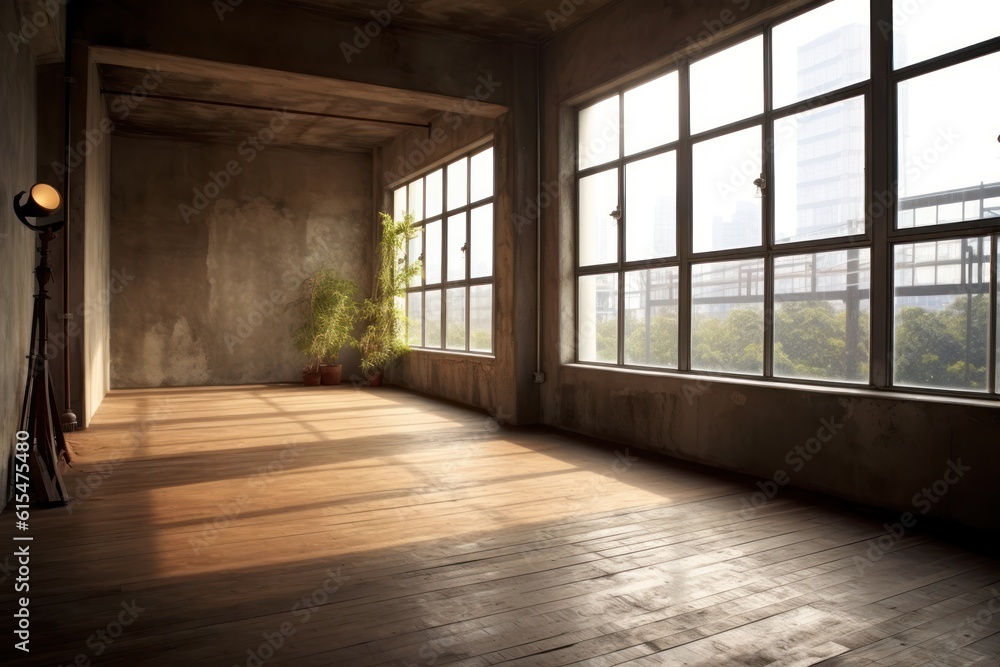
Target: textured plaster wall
{"type": "Point", "coordinates": [501, 384]}
{"type": "Point", "coordinates": [881, 449]}
{"type": "Point", "coordinates": [96, 253]}
{"type": "Point", "coordinates": [17, 254]}
{"type": "Point", "coordinates": [206, 301]}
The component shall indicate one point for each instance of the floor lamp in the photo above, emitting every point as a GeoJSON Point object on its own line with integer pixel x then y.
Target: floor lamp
{"type": "Point", "coordinates": [39, 414]}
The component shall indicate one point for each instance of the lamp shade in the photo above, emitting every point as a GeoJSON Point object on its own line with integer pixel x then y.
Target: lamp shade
{"type": "Point", "coordinates": [43, 200]}
{"type": "Point", "coordinates": [46, 198]}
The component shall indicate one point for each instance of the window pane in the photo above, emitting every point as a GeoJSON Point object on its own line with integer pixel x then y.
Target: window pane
{"type": "Point", "coordinates": [727, 317]}
{"type": "Point", "coordinates": [728, 86]}
{"type": "Point", "coordinates": [458, 183]}
{"type": "Point", "coordinates": [416, 200]}
{"type": "Point", "coordinates": [727, 212]}
{"type": "Point", "coordinates": [432, 319]}
{"type": "Point", "coordinates": [930, 28]}
{"type": "Point", "coordinates": [651, 208]}
{"type": "Point", "coordinates": [481, 318]}
{"type": "Point", "coordinates": [942, 307]}
{"type": "Point", "coordinates": [949, 157]}
{"type": "Point", "coordinates": [598, 318]}
{"type": "Point", "coordinates": [822, 323]}
{"type": "Point", "coordinates": [432, 253]}
{"type": "Point", "coordinates": [651, 300]}
{"type": "Point", "coordinates": [456, 243]}
{"type": "Point", "coordinates": [651, 114]}
{"type": "Point", "coordinates": [481, 247]}
{"type": "Point", "coordinates": [434, 193]}
{"type": "Point", "coordinates": [455, 312]}
{"type": "Point", "coordinates": [819, 173]}
{"type": "Point", "coordinates": [415, 315]}
{"type": "Point", "coordinates": [598, 230]}
{"type": "Point", "coordinates": [482, 175]}
{"type": "Point", "coordinates": [599, 133]}
{"type": "Point", "coordinates": [399, 203]}
{"type": "Point", "coordinates": [414, 255]}
{"type": "Point", "coordinates": [822, 50]}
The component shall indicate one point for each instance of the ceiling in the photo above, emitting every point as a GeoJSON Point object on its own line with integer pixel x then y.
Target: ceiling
{"type": "Point", "coordinates": [519, 20]}
{"type": "Point", "coordinates": [230, 103]}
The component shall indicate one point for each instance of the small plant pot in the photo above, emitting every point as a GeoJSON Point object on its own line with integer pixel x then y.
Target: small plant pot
{"type": "Point", "coordinates": [331, 374]}
{"type": "Point", "coordinates": [311, 378]}
{"type": "Point", "coordinates": [375, 380]}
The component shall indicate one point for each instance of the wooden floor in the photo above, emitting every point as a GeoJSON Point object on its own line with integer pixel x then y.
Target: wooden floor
{"type": "Point", "coordinates": [291, 526]}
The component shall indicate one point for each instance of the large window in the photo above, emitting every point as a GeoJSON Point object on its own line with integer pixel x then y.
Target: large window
{"type": "Point", "coordinates": [449, 305]}
{"type": "Point", "coordinates": [817, 200]}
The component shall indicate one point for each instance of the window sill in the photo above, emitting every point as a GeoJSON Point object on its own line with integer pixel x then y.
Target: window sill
{"type": "Point", "coordinates": [453, 353]}
{"type": "Point", "coordinates": [841, 390]}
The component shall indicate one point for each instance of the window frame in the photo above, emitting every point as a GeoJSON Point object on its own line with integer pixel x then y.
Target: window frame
{"type": "Point", "coordinates": [881, 232]}
{"type": "Point", "coordinates": [444, 285]}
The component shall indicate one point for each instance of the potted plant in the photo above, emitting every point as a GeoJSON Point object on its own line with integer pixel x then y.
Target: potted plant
{"type": "Point", "coordinates": [331, 311]}
{"type": "Point", "coordinates": [383, 340]}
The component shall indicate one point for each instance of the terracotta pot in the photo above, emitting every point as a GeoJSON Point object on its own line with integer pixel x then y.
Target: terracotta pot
{"type": "Point", "coordinates": [375, 380]}
{"type": "Point", "coordinates": [331, 374]}
{"type": "Point", "coordinates": [311, 378]}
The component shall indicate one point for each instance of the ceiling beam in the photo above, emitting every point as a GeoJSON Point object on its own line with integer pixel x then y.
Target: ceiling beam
{"type": "Point", "coordinates": [324, 86]}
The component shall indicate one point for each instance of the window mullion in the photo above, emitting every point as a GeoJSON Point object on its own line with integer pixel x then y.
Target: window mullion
{"type": "Point", "coordinates": [880, 113]}
{"type": "Point", "coordinates": [767, 205]}
{"type": "Point", "coordinates": [621, 222]}
{"type": "Point", "coordinates": [684, 220]}
{"type": "Point", "coordinates": [992, 352]}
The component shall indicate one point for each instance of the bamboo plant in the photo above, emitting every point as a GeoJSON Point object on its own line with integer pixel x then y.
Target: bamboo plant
{"type": "Point", "coordinates": [331, 311]}
{"type": "Point", "coordinates": [384, 337]}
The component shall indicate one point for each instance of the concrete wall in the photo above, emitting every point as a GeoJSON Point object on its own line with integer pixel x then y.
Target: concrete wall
{"type": "Point", "coordinates": [502, 383]}
{"type": "Point", "coordinates": [17, 244]}
{"type": "Point", "coordinates": [96, 257]}
{"type": "Point", "coordinates": [877, 448]}
{"type": "Point", "coordinates": [203, 295]}
{"type": "Point", "coordinates": [308, 41]}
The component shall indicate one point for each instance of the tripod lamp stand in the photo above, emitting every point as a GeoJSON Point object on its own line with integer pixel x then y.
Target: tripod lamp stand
{"type": "Point", "coordinates": [38, 411]}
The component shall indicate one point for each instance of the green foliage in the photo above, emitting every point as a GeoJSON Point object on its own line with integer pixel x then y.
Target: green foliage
{"type": "Point", "coordinates": [931, 346]}
{"type": "Point", "coordinates": [330, 312]}
{"type": "Point", "coordinates": [662, 341]}
{"type": "Point", "coordinates": [734, 344]}
{"type": "Point", "coordinates": [811, 341]}
{"type": "Point", "coordinates": [456, 336]}
{"type": "Point", "coordinates": [383, 340]}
